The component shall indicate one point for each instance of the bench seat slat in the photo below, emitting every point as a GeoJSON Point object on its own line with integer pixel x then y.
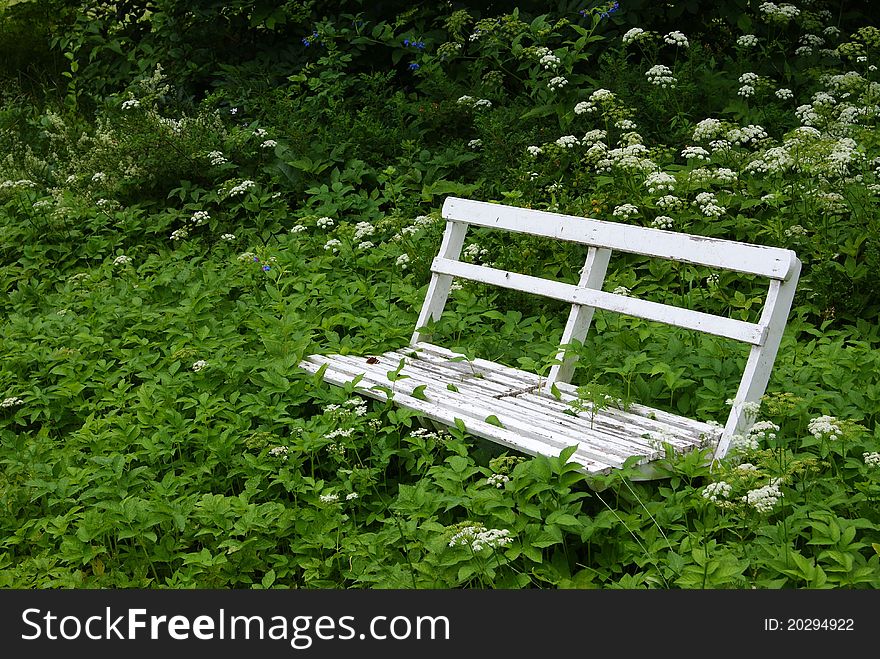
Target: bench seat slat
{"type": "Point", "coordinates": [649, 419]}
{"type": "Point", "coordinates": [686, 318]}
{"type": "Point", "coordinates": [772, 262]}
{"type": "Point", "coordinates": [472, 403]}
{"type": "Point", "coordinates": [531, 424]}
{"type": "Point", "coordinates": [613, 437]}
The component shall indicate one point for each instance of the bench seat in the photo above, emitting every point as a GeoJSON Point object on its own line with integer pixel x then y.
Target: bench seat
{"type": "Point", "coordinates": [532, 419]}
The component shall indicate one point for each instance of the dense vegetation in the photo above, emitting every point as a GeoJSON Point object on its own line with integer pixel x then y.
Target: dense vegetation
{"type": "Point", "coordinates": [194, 195]}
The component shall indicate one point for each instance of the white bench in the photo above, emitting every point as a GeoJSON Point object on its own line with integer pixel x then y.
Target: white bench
{"type": "Point", "coordinates": [532, 414]}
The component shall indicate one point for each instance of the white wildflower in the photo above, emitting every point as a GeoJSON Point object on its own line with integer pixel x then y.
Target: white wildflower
{"type": "Point", "coordinates": [633, 35]}
{"type": "Point", "coordinates": [662, 222]}
{"type": "Point", "coordinates": [217, 158]}
{"type": "Point", "coordinates": [824, 427]}
{"type": "Point", "coordinates": [479, 537]}
{"type": "Point", "coordinates": [332, 245]}
{"type": "Point", "coordinates": [625, 211]}
{"type": "Point", "coordinates": [280, 452]}
{"type": "Point", "coordinates": [567, 141]}
{"type": "Point", "coordinates": [122, 259]}
{"type": "Point", "coordinates": [199, 217]}
{"type": "Point", "coordinates": [228, 237]}
{"type": "Point", "coordinates": [763, 499]}
{"type": "Point", "coordinates": [676, 38]}
{"type": "Point", "coordinates": [717, 490]}
{"type": "Point", "coordinates": [242, 187]}
{"type": "Point", "coordinates": [498, 480]}
{"type": "Point", "coordinates": [661, 76]}
{"type": "Point", "coordinates": [199, 365]}
{"type": "Point", "coordinates": [557, 82]}
{"type": "Point", "coordinates": [325, 222]}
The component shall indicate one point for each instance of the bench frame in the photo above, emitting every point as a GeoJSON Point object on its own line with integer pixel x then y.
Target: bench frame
{"type": "Point", "coordinates": [780, 266]}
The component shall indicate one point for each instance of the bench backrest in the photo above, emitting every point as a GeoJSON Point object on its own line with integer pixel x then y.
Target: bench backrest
{"type": "Point", "coordinates": [780, 266]}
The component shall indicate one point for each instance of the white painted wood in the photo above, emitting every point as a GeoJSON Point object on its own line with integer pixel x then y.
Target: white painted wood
{"type": "Point", "coordinates": [447, 416]}
{"type": "Point", "coordinates": [771, 262]}
{"type": "Point", "coordinates": [760, 362]}
{"type": "Point", "coordinates": [686, 318]}
{"type": "Point", "coordinates": [533, 420]}
{"type": "Point", "coordinates": [651, 419]}
{"type": "Point", "coordinates": [580, 316]}
{"type": "Point", "coordinates": [438, 288]}
{"type": "Point", "coordinates": [601, 443]}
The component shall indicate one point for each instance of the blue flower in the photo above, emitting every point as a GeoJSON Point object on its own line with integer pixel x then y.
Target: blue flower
{"type": "Point", "coordinates": [266, 268]}
{"type": "Point", "coordinates": [306, 42]}
{"type": "Point", "coordinates": [413, 67]}
{"type": "Point", "coordinates": [406, 42]}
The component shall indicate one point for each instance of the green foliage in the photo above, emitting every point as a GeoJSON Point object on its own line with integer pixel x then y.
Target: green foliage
{"type": "Point", "coordinates": [195, 197]}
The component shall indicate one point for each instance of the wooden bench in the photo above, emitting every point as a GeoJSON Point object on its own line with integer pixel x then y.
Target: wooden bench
{"type": "Point", "coordinates": [533, 414]}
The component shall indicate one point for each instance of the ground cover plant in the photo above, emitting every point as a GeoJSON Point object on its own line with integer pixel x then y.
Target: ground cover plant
{"type": "Point", "coordinates": [195, 195]}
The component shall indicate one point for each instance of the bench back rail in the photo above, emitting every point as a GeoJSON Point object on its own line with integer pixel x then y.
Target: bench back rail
{"type": "Point", "coordinates": [781, 266]}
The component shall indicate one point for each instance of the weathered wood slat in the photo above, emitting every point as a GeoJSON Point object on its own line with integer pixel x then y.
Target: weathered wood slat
{"type": "Point", "coordinates": [468, 407]}
{"type": "Point", "coordinates": [475, 426]}
{"type": "Point", "coordinates": [729, 328]}
{"type": "Point", "coordinates": [604, 439]}
{"type": "Point", "coordinates": [663, 421]}
{"type": "Point", "coordinates": [771, 262]}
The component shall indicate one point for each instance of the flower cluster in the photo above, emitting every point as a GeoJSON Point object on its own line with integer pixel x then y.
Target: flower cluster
{"type": "Point", "coordinates": [634, 34]}
{"type": "Point", "coordinates": [872, 459]}
{"type": "Point", "coordinates": [824, 427]}
{"type": "Point", "coordinates": [478, 537]}
{"type": "Point", "coordinates": [557, 82]}
{"type": "Point", "coordinates": [625, 211]}
{"type": "Point", "coordinates": [659, 181]}
{"type": "Point", "coordinates": [708, 205]}
{"type": "Point", "coordinates": [498, 480]}
{"type": "Point", "coordinates": [324, 222]}
{"type": "Point", "coordinates": [122, 259]}
{"type": "Point", "coordinates": [694, 152]}
{"type": "Point", "coordinates": [676, 38]}
{"type": "Point", "coordinates": [217, 158]}
{"type": "Point", "coordinates": [662, 222]}
{"type": "Point", "coordinates": [280, 452]}
{"type": "Point", "coordinates": [763, 499]}
{"type": "Point", "coordinates": [11, 401]}
{"type": "Point", "coordinates": [660, 75]}
{"type": "Point", "coordinates": [717, 490]}
{"type": "Point", "coordinates": [199, 218]}
{"type": "Point", "coordinates": [199, 365]}
{"type": "Point", "coordinates": [241, 188]}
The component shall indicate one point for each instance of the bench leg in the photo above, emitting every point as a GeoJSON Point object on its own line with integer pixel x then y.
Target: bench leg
{"type": "Point", "coordinates": [438, 289]}
{"type": "Point", "coordinates": [757, 372]}
{"type": "Point", "coordinates": [580, 317]}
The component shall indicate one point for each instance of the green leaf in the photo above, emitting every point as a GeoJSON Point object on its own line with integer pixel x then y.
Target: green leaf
{"type": "Point", "coordinates": [268, 579]}
{"type": "Point", "coordinates": [419, 392]}
{"type": "Point", "coordinates": [452, 387]}
{"type": "Point", "coordinates": [494, 421]}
